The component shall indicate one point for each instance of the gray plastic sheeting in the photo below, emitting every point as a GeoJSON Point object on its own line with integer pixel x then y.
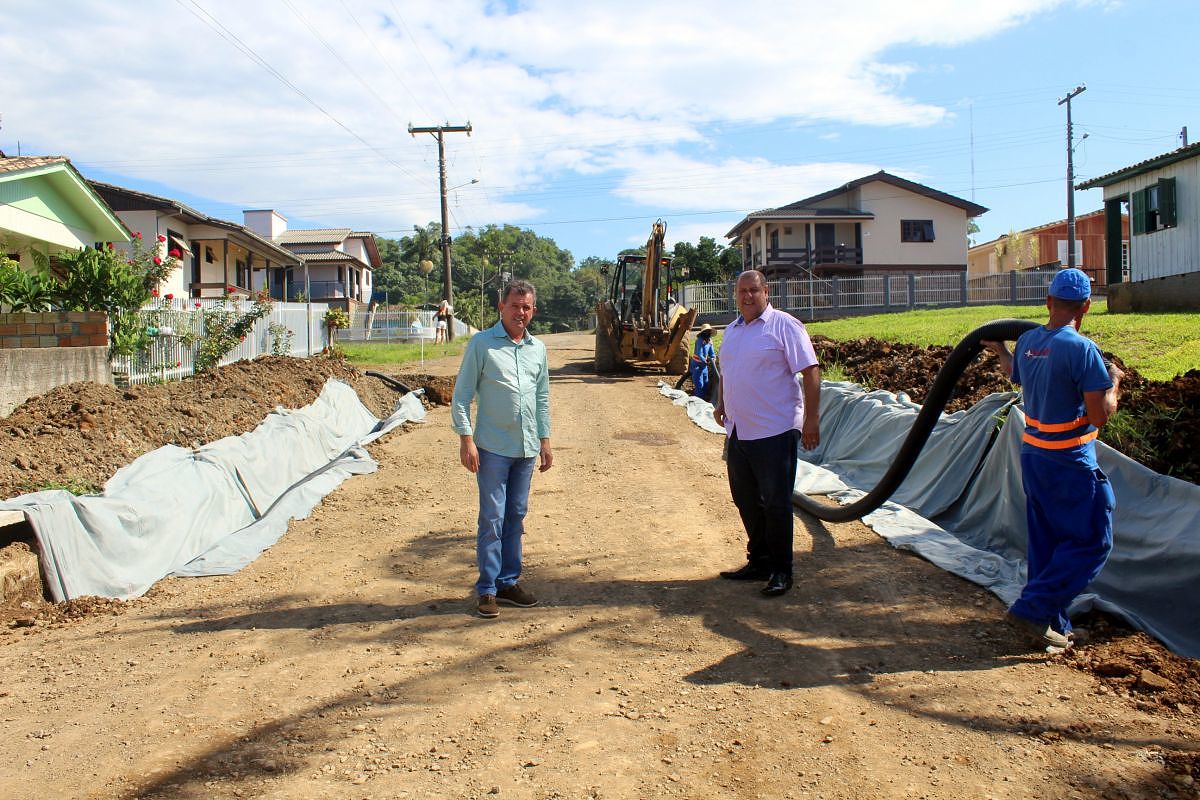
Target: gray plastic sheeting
{"type": "Point", "coordinates": [208, 511]}
{"type": "Point", "coordinates": [962, 506]}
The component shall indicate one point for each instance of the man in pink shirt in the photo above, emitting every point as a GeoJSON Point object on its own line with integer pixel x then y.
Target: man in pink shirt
{"type": "Point", "coordinates": [766, 413]}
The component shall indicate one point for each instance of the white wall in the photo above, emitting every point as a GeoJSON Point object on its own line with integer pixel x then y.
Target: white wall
{"type": "Point", "coordinates": [1171, 251]}
{"type": "Point", "coordinates": [266, 223]}
{"type": "Point", "coordinates": [881, 236]}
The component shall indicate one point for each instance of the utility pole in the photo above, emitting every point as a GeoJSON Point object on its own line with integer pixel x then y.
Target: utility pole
{"type": "Point", "coordinates": [447, 287]}
{"type": "Point", "coordinates": [1078, 90]}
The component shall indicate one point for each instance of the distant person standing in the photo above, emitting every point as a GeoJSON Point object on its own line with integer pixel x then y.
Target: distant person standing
{"type": "Point", "coordinates": [504, 369]}
{"type": "Point", "coordinates": [701, 362]}
{"type": "Point", "coordinates": [766, 413]}
{"type": "Point", "coordinates": [1069, 393]}
{"type": "Point", "coordinates": [441, 322]}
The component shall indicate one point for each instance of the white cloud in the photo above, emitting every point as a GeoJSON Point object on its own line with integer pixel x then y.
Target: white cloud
{"type": "Point", "coordinates": [612, 99]}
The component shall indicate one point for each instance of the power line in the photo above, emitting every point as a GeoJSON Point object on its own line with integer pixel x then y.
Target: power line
{"type": "Point", "coordinates": [249, 52]}
{"type": "Point", "coordinates": [386, 61]}
{"type": "Point", "coordinates": [317, 34]}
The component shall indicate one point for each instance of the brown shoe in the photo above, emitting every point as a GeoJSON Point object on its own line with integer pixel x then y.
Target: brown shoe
{"type": "Point", "coordinates": [487, 606]}
{"type": "Point", "coordinates": [516, 596]}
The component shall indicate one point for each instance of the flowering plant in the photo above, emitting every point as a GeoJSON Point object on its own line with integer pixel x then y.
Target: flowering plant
{"type": "Point", "coordinates": [226, 325]}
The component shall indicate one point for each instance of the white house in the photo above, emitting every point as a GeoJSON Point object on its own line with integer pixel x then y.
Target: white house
{"type": "Point", "coordinates": [878, 223]}
{"type": "Point", "coordinates": [338, 263]}
{"type": "Point", "coordinates": [214, 254]}
{"type": "Point", "coordinates": [1162, 198]}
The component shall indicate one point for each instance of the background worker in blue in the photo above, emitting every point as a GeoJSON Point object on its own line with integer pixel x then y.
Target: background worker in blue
{"type": "Point", "coordinates": [702, 358]}
{"type": "Point", "coordinates": [1069, 393]}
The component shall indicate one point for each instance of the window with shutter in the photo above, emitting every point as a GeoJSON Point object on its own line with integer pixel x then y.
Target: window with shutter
{"type": "Point", "coordinates": [1139, 212]}
{"type": "Point", "coordinates": [1166, 203]}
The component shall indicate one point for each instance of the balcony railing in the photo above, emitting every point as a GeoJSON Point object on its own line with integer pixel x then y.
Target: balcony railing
{"type": "Point", "coordinates": [319, 291]}
{"type": "Point", "coordinates": [808, 257]}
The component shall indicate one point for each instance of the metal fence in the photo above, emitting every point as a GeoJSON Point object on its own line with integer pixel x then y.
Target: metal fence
{"type": "Point", "coordinates": [827, 298]}
{"type": "Point", "coordinates": [395, 325]}
{"type": "Point", "coordinates": [177, 325]}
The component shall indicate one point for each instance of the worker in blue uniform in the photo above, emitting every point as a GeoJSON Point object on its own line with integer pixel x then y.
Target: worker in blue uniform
{"type": "Point", "coordinates": [1069, 392]}
{"type": "Point", "coordinates": [703, 356]}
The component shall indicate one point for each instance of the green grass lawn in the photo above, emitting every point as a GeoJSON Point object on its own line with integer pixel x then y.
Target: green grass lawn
{"type": "Point", "coordinates": [1159, 346]}
{"type": "Point", "coordinates": [385, 356]}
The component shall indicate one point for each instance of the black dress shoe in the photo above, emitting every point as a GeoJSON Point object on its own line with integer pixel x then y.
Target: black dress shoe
{"type": "Point", "coordinates": [747, 572]}
{"type": "Point", "coordinates": [777, 584]}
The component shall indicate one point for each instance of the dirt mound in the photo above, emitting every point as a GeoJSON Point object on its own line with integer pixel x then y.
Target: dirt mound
{"type": "Point", "coordinates": [76, 436]}
{"type": "Point", "coordinates": [1160, 426]}
{"type": "Point", "coordinates": [1133, 665]}
{"type": "Point", "coordinates": [910, 369]}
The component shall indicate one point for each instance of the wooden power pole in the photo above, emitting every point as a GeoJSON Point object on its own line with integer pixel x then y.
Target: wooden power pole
{"type": "Point", "coordinates": [1071, 176]}
{"type": "Point", "coordinates": [439, 132]}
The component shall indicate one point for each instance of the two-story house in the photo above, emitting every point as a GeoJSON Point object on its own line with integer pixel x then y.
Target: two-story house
{"type": "Point", "coordinates": [876, 224]}
{"type": "Point", "coordinates": [338, 263]}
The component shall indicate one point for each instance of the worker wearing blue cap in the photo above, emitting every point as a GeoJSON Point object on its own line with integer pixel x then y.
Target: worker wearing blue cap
{"type": "Point", "coordinates": [1069, 392]}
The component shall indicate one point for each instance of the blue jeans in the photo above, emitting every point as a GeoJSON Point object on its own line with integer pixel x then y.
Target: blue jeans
{"type": "Point", "coordinates": [503, 501]}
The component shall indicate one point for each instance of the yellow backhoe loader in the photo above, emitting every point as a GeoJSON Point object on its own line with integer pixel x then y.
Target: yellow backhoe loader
{"type": "Point", "coordinates": [638, 321]}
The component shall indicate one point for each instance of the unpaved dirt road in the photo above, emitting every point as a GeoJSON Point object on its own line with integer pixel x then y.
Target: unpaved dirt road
{"type": "Point", "coordinates": [347, 661]}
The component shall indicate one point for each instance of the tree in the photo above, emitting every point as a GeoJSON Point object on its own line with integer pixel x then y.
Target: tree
{"type": "Point", "coordinates": [1020, 249]}
{"type": "Point", "coordinates": [972, 229]}
{"type": "Point", "coordinates": [400, 278]}
{"type": "Point", "coordinates": [707, 261]}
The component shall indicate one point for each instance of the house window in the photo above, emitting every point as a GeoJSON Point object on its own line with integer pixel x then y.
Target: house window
{"type": "Point", "coordinates": [1062, 251]}
{"type": "Point", "coordinates": [1154, 207]}
{"type": "Point", "coordinates": [175, 241]}
{"type": "Point", "coordinates": [916, 230]}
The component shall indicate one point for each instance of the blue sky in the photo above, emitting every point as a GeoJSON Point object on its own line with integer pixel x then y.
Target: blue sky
{"type": "Point", "coordinates": [591, 121]}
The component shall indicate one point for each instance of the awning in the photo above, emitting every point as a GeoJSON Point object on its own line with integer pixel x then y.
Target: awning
{"type": "Point", "coordinates": [180, 245]}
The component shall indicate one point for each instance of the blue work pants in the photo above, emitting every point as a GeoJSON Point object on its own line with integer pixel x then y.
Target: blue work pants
{"type": "Point", "coordinates": [1069, 515]}
{"type": "Point", "coordinates": [503, 500]}
{"type": "Point", "coordinates": [700, 384]}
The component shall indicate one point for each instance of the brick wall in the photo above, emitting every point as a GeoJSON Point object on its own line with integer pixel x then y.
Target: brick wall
{"type": "Point", "coordinates": [53, 329]}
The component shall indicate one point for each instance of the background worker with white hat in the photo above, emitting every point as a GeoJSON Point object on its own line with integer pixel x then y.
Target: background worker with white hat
{"type": "Point", "coordinates": [703, 356]}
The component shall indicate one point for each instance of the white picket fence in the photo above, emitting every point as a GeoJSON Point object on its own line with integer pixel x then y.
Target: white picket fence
{"type": "Point", "coordinates": [295, 329]}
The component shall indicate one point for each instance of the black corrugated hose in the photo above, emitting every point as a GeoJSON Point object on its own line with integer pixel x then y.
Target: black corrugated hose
{"type": "Point", "coordinates": [960, 358]}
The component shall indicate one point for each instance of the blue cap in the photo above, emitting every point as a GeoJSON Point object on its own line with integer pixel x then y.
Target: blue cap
{"type": "Point", "coordinates": [1071, 284]}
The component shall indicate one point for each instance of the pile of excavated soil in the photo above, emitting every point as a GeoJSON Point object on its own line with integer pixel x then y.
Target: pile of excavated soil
{"type": "Point", "coordinates": [76, 436]}
{"type": "Point", "coordinates": [1167, 438]}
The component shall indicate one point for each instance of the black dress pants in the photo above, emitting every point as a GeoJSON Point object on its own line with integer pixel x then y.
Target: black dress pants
{"type": "Point", "coordinates": [762, 474]}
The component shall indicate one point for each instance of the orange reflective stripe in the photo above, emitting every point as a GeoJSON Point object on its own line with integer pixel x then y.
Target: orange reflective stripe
{"type": "Point", "coordinates": [1059, 444]}
{"type": "Point", "coordinates": [1056, 427]}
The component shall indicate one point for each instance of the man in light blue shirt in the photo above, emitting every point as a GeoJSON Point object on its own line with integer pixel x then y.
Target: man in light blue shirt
{"type": "Point", "coordinates": [504, 369]}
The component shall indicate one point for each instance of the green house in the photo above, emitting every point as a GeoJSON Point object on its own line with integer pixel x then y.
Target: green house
{"type": "Point", "coordinates": [47, 207]}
